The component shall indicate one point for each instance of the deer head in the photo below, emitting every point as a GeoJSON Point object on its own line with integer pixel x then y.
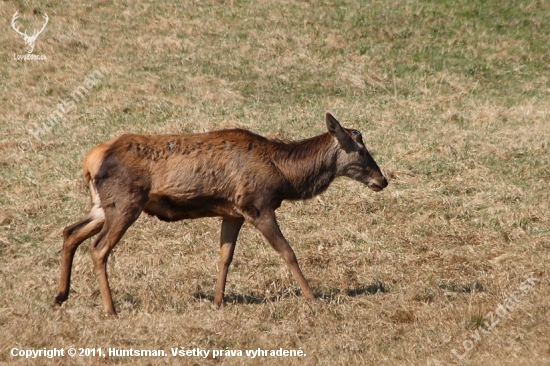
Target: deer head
{"type": "Point", "coordinates": [354, 160]}
{"type": "Point", "coordinates": [29, 40]}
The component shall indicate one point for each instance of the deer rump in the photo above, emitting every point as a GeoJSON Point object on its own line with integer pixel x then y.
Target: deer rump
{"type": "Point", "coordinates": [234, 174]}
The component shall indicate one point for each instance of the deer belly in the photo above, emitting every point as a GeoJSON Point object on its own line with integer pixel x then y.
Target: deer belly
{"type": "Point", "coordinates": [167, 209]}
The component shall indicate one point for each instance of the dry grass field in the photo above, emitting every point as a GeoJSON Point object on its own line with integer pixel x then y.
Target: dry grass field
{"type": "Point", "coordinates": [452, 98]}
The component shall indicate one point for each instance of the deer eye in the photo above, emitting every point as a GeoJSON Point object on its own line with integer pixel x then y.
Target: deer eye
{"type": "Point", "coordinates": [355, 133]}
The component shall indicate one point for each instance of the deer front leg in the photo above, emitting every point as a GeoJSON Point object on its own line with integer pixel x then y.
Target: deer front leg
{"type": "Point", "coordinates": [267, 224]}
{"type": "Point", "coordinates": [228, 238]}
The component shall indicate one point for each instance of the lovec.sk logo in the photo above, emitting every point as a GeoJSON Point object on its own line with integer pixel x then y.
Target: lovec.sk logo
{"type": "Point", "coordinates": [29, 40]}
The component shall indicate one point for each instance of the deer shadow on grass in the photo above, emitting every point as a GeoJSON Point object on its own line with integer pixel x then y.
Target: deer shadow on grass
{"type": "Point", "coordinates": [327, 294]}
{"type": "Point", "coordinates": [371, 289]}
{"type": "Point", "coordinates": [249, 299]}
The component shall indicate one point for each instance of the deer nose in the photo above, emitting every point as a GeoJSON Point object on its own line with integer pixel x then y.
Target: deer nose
{"type": "Point", "coordinates": [383, 182]}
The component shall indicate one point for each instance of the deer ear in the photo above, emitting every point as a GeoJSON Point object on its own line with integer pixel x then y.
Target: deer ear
{"type": "Point", "coordinates": [336, 130]}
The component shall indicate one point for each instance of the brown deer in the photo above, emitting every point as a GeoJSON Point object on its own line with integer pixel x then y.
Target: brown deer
{"type": "Point", "coordinates": [235, 174]}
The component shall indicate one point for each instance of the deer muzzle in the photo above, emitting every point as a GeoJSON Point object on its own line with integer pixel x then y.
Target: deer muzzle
{"type": "Point", "coordinates": [378, 184]}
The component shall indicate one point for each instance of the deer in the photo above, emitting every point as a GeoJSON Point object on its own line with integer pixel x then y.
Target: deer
{"type": "Point", "coordinates": [234, 174]}
{"type": "Point", "coordinates": [29, 40]}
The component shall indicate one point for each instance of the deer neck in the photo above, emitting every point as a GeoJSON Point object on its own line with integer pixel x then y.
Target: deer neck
{"type": "Point", "coordinates": [308, 166]}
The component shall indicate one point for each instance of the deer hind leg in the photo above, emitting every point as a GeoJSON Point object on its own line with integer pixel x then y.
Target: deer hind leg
{"type": "Point", "coordinates": [230, 231]}
{"type": "Point", "coordinates": [266, 223]}
{"type": "Point", "coordinates": [117, 220]}
{"type": "Point", "coordinates": [73, 236]}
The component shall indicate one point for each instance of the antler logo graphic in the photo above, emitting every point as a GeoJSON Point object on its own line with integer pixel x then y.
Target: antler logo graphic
{"type": "Point", "coordinates": [29, 40]}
